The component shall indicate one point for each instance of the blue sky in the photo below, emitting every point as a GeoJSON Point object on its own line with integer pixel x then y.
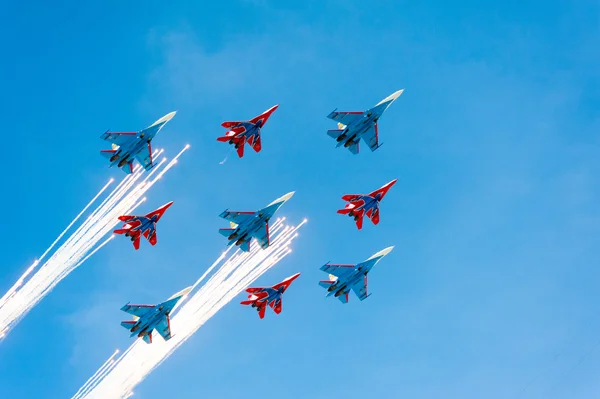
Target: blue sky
{"type": "Point", "coordinates": [490, 290]}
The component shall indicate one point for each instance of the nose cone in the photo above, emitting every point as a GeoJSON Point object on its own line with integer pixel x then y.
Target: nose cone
{"type": "Point", "coordinates": [265, 115]}
{"type": "Point", "coordinates": [392, 97]}
{"type": "Point", "coordinates": [181, 293]}
{"type": "Point", "coordinates": [287, 196]}
{"type": "Point", "coordinates": [382, 253]}
{"type": "Point", "coordinates": [292, 278]}
{"type": "Point", "coordinates": [389, 185]}
{"type": "Point", "coordinates": [165, 118]}
{"type": "Point", "coordinates": [282, 199]}
{"type": "Point", "coordinates": [166, 206]}
{"type": "Point", "coordinates": [272, 109]}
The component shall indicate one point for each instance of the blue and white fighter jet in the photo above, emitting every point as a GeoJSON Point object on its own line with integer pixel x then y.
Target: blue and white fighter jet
{"type": "Point", "coordinates": [147, 318]}
{"type": "Point", "coordinates": [130, 146]}
{"type": "Point", "coordinates": [343, 278]}
{"type": "Point", "coordinates": [353, 126]}
{"type": "Point", "coordinates": [245, 225]}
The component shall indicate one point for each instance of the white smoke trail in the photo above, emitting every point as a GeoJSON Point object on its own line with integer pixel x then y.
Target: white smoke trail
{"type": "Point", "coordinates": [236, 273]}
{"type": "Point", "coordinates": [37, 261]}
{"type": "Point", "coordinates": [82, 244]}
{"type": "Point", "coordinates": [100, 371]}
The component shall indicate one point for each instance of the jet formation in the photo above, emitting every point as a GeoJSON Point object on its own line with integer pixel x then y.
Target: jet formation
{"type": "Point", "coordinates": [353, 127]}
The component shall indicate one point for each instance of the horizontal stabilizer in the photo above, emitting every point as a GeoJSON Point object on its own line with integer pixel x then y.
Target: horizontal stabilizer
{"type": "Point", "coordinates": [226, 232]}
{"type": "Point", "coordinates": [261, 311]}
{"type": "Point", "coordinates": [326, 283]}
{"type": "Point", "coordinates": [108, 153]}
{"type": "Point", "coordinates": [257, 144]}
{"type": "Point", "coordinates": [248, 302]}
{"type": "Point", "coordinates": [240, 150]}
{"type": "Point", "coordinates": [148, 338]}
{"type": "Point", "coordinates": [128, 324]}
{"type": "Point", "coordinates": [334, 133]}
{"type": "Point", "coordinates": [344, 211]}
{"type": "Point", "coordinates": [121, 231]}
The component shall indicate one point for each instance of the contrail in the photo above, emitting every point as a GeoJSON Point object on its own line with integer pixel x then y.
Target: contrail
{"type": "Point", "coordinates": [81, 245]}
{"type": "Point", "coordinates": [120, 378]}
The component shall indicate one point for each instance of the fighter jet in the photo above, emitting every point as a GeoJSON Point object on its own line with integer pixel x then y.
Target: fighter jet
{"type": "Point", "coordinates": [246, 131]}
{"type": "Point", "coordinates": [137, 226]}
{"type": "Point", "coordinates": [365, 204]}
{"type": "Point", "coordinates": [343, 278]}
{"type": "Point", "coordinates": [261, 296]}
{"type": "Point", "coordinates": [353, 126]}
{"type": "Point", "coordinates": [127, 146]}
{"type": "Point", "coordinates": [245, 225]}
{"type": "Point", "coordinates": [146, 318]}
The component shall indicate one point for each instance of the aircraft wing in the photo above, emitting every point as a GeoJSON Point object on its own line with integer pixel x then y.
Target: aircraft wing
{"type": "Point", "coordinates": [371, 137]}
{"type": "Point", "coordinates": [237, 217]}
{"type": "Point", "coordinates": [164, 328]}
{"type": "Point", "coordinates": [340, 271]}
{"type": "Point", "coordinates": [144, 157]}
{"type": "Point", "coordinates": [137, 310]}
{"type": "Point", "coordinates": [360, 289]}
{"type": "Point", "coordinates": [345, 118]}
{"type": "Point", "coordinates": [119, 138]}
{"type": "Point", "coordinates": [262, 236]}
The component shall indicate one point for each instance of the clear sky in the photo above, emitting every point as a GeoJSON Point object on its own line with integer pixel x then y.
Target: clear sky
{"type": "Point", "coordinates": [491, 290]}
